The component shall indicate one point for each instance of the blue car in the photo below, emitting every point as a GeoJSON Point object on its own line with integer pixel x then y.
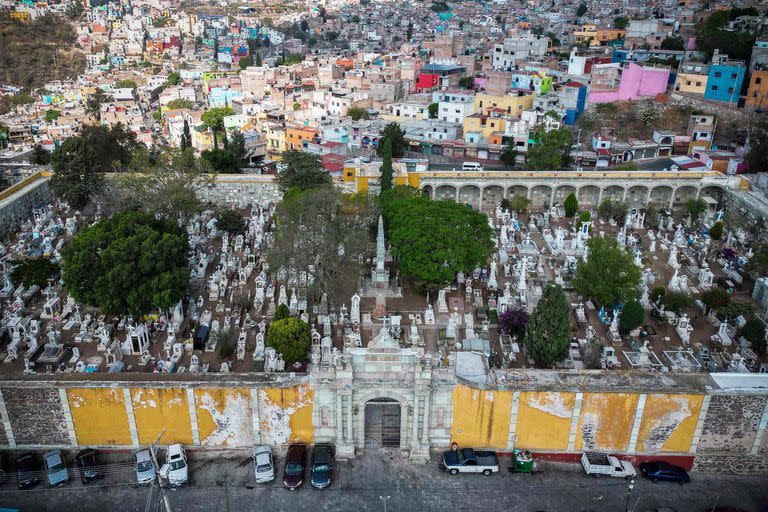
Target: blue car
{"type": "Point", "coordinates": [659, 471]}
{"type": "Point", "coordinates": [55, 468]}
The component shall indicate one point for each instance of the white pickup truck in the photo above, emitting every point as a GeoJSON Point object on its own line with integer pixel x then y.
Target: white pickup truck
{"type": "Point", "coordinates": [468, 460]}
{"type": "Point", "coordinates": [598, 464]}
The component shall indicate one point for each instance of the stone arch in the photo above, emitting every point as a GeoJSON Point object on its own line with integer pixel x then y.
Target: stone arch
{"type": "Point", "coordinates": [614, 193]}
{"type": "Point", "coordinates": [661, 195]}
{"type": "Point", "coordinates": [713, 191]}
{"type": "Point", "coordinates": [684, 194]}
{"type": "Point", "coordinates": [427, 190]}
{"type": "Point", "coordinates": [638, 194]}
{"type": "Point", "coordinates": [445, 192]}
{"type": "Point", "coordinates": [492, 195]}
{"type": "Point", "coordinates": [541, 195]}
{"type": "Point", "coordinates": [517, 190]}
{"type": "Point", "coordinates": [588, 195]}
{"type": "Point", "coordinates": [470, 194]}
{"type": "Point", "coordinates": [360, 401]}
{"type": "Point", "coordinates": [563, 191]}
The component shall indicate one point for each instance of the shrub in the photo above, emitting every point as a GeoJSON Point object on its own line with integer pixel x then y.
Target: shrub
{"type": "Point", "coordinates": [290, 337]}
{"type": "Point", "coordinates": [282, 312]}
{"type": "Point", "coordinates": [716, 232]}
{"type": "Point", "coordinates": [632, 317]}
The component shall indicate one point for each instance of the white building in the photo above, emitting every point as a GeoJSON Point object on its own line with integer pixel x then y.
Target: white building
{"type": "Point", "coordinates": [519, 49]}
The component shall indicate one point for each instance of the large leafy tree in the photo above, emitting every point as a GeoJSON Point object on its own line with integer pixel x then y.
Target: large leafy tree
{"type": "Point", "coordinates": [129, 263]}
{"type": "Point", "coordinates": [632, 317]}
{"type": "Point", "coordinates": [508, 154]}
{"type": "Point", "coordinates": [34, 271]}
{"type": "Point", "coordinates": [302, 171]}
{"type": "Point", "coordinates": [386, 167]}
{"type": "Point", "coordinates": [571, 205]}
{"type": "Point", "coordinates": [754, 332]}
{"type": "Point", "coordinates": [433, 240]}
{"type": "Point", "coordinates": [231, 221]}
{"type": "Point", "coordinates": [550, 151]}
{"type": "Point", "coordinates": [113, 146]}
{"type": "Point", "coordinates": [76, 178]}
{"type": "Point", "coordinates": [214, 121]}
{"type": "Point", "coordinates": [166, 183]}
{"type": "Point", "coordinates": [758, 263]}
{"type": "Point", "coordinates": [548, 331]}
{"type": "Point", "coordinates": [323, 232]}
{"type": "Point", "coordinates": [93, 103]}
{"type": "Point", "coordinates": [396, 135]}
{"type": "Point", "coordinates": [609, 275]}
{"type": "Point", "coordinates": [290, 337]}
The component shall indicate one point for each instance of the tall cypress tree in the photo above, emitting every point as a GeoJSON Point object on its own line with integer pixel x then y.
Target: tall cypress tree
{"type": "Point", "coordinates": [186, 137]}
{"type": "Point", "coordinates": [385, 180]}
{"type": "Point", "coordinates": [548, 332]}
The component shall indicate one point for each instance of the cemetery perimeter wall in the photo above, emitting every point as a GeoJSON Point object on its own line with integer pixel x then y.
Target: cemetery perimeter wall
{"type": "Point", "coordinates": [700, 421]}
{"type": "Point", "coordinates": [17, 201]}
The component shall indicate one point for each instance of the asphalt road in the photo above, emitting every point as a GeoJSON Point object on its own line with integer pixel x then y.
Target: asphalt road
{"type": "Point", "coordinates": [365, 483]}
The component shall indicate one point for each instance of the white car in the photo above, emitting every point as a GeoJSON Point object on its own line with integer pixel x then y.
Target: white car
{"type": "Point", "coordinates": [175, 469]}
{"type": "Point", "coordinates": [145, 468]}
{"type": "Point", "coordinates": [263, 465]}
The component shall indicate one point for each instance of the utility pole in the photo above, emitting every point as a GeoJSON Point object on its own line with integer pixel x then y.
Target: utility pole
{"type": "Point", "coordinates": [163, 493]}
{"type": "Point", "coordinates": [629, 493]}
{"type": "Point", "coordinates": [384, 499]}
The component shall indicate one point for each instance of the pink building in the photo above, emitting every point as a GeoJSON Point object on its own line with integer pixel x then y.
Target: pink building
{"type": "Point", "coordinates": [636, 82]}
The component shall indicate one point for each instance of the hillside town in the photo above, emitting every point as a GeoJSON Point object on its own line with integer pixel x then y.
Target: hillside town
{"type": "Point", "coordinates": [391, 237]}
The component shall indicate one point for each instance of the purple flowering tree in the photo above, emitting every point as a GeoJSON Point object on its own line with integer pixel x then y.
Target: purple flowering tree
{"type": "Point", "coordinates": [513, 321]}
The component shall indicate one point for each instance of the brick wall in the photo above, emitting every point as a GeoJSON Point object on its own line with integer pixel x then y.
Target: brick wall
{"type": "Point", "coordinates": [36, 416]}
{"type": "Point", "coordinates": [731, 423]}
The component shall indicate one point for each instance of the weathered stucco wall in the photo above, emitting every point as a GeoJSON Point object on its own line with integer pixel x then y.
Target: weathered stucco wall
{"type": "Point", "coordinates": [99, 416]}
{"type": "Point", "coordinates": [162, 410]}
{"type": "Point", "coordinates": [668, 423]}
{"type": "Point", "coordinates": [544, 420]}
{"type": "Point", "coordinates": [481, 418]}
{"type": "Point", "coordinates": [605, 421]}
{"type": "Point", "coordinates": [286, 415]}
{"type": "Point", "coordinates": [224, 416]}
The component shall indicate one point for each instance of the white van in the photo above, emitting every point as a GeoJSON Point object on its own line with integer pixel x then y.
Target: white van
{"type": "Point", "coordinates": [176, 469]}
{"type": "Point", "coordinates": [472, 166]}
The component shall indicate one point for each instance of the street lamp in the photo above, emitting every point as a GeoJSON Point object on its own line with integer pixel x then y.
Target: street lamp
{"type": "Point", "coordinates": [629, 493]}
{"type": "Point", "coordinates": [384, 499]}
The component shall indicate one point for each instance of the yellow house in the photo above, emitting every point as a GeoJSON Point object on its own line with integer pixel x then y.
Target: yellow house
{"type": "Point", "coordinates": [360, 176]}
{"type": "Point", "coordinates": [512, 104]}
{"type": "Point", "coordinates": [692, 83]}
{"type": "Point", "coordinates": [20, 16]}
{"type": "Point", "coordinates": [275, 139]}
{"type": "Point", "coordinates": [486, 124]}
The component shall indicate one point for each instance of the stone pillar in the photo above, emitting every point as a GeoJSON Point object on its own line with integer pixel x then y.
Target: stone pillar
{"type": "Point", "coordinates": [131, 417]}
{"type": "Point", "coordinates": [529, 192]}
{"type": "Point", "coordinates": [552, 197]}
{"type": "Point", "coordinates": [480, 200]}
{"type": "Point", "coordinates": [761, 427]}
{"type": "Point", "coordinates": [512, 437]}
{"type": "Point", "coordinates": [700, 423]}
{"type": "Point", "coordinates": [672, 199]}
{"type": "Point", "coordinates": [193, 416]}
{"type": "Point", "coordinates": [624, 195]}
{"type": "Point", "coordinates": [415, 421]}
{"type": "Point", "coordinates": [632, 446]}
{"type": "Point", "coordinates": [255, 416]}
{"type": "Point", "coordinates": [600, 196]}
{"type": "Point", "coordinates": [350, 433]}
{"type": "Point", "coordinates": [425, 427]}
{"type": "Point", "coordinates": [403, 426]}
{"type": "Point", "coordinates": [575, 422]}
{"type": "Point", "coordinates": [339, 420]}
{"type": "Point", "coordinates": [6, 423]}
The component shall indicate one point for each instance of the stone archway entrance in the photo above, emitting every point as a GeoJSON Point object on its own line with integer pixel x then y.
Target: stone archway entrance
{"type": "Point", "coordinates": [382, 423]}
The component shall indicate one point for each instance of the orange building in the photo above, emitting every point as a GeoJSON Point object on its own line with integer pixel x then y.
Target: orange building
{"type": "Point", "coordinates": [757, 94]}
{"type": "Point", "coordinates": [298, 137]}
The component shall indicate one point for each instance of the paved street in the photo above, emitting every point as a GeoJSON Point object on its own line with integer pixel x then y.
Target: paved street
{"type": "Point", "coordinates": [358, 485]}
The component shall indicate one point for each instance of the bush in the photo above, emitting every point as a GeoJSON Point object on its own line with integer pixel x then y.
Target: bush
{"type": "Point", "coordinates": [513, 321]}
{"type": "Point", "coordinates": [571, 205]}
{"type": "Point", "coordinates": [632, 317]}
{"type": "Point", "coordinates": [754, 332]}
{"type": "Point", "coordinates": [226, 342]}
{"type": "Point", "coordinates": [735, 309]}
{"type": "Point", "coordinates": [519, 204]}
{"type": "Point", "coordinates": [34, 271]}
{"type": "Point", "coordinates": [716, 232]}
{"type": "Point", "coordinates": [584, 217]}
{"type": "Point", "coordinates": [230, 221]}
{"type": "Point", "coordinates": [658, 293]}
{"type": "Point", "coordinates": [676, 302]}
{"type": "Point", "coordinates": [282, 312]}
{"type": "Point", "coordinates": [716, 298]}
{"type": "Point", "coordinates": [290, 337]}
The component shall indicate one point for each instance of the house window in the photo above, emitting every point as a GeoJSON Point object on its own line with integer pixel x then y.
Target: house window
{"type": "Point", "coordinates": [714, 87]}
{"type": "Point", "coordinates": [758, 80]}
{"type": "Point", "coordinates": [698, 84]}
{"type": "Point", "coordinates": [733, 76]}
{"type": "Point", "coordinates": [718, 74]}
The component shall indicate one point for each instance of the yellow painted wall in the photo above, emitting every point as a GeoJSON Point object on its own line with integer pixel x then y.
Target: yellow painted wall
{"type": "Point", "coordinates": [481, 418]}
{"type": "Point", "coordinates": [668, 423]}
{"type": "Point", "coordinates": [285, 415]}
{"type": "Point", "coordinates": [683, 80]}
{"type": "Point", "coordinates": [224, 416]}
{"type": "Point", "coordinates": [605, 421]}
{"type": "Point", "coordinates": [158, 410]}
{"type": "Point", "coordinates": [99, 416]}
{"type": "Point", "coordinates": [544, 420]}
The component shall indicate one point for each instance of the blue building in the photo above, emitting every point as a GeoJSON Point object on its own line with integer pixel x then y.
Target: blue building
{"type": "Point", "coordinates": [725, 79]}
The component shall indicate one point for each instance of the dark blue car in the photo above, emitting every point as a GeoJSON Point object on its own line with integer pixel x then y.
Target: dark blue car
{"type": "Point", "coordinates": [659, 471]}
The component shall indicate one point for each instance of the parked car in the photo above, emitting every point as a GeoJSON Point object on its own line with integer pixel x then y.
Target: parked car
{"type": "Point", "coordinates": [468, 460]}
{"type": "Point", "coordinates": [293, 474]}
{"type": "Point", "coordinates": [55, 468]}
{"type": "Point", "coordinates": [27, 470]}
{"type": "Point", "coordinates": [88, 466]}
{"type": "Point", "coordinates": [263, 464]}
{"type": "Point", "coordinates": [175, 469]}
{"type": "Point", "coordinates": [322, 466]}
{"type": "Point", "coordinates": [662, 471]}
{"type": "Point", "coordinates": [3, 468]}
{"type": "Point", "coordinates": [598, 464]}
{"type": "Point", "coordinates": [145, 468]}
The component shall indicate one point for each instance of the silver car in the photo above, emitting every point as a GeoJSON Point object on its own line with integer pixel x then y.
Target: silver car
{"type": "Point", "coordinates": [55, 468]}
{"type": "Point", "coordinates": [263, 465]}
{"type": "Point", "coordinates": [145, 468]}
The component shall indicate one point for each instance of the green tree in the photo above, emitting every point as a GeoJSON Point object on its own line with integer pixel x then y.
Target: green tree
{"type": "Point", "coordinates": [716, 298]}
{"type": "Point", "coordinates": [620, 22]}
{"type": "Point", "coordinates": [180, 103]}
{"type": "Point", "coordinates": [571, 205]}
{"type": "Point", "coordinates": [290, 337]}
{"type": "Point", "coordinates": [508, 154]}
{"type": "Point", "coordinates": [548, 331]}
{"type": "Point", "coordinates": [555, 41]}
{"type": "Point", "coordinates": [186, 137]}
{"type": "Point", "coordinates": [130, 263]}
{"type": "Point", "coordinates": [434, 240]}
{"type": "Point", "coordinates": [221, 160]}
{"type": "Point", "coordinates": [519, 204]}
{"type": "Point", "coordinates": [75, 179]}
{"type": "Point", "coordinates": [714, 34]}
{"type": "Point", "coordinates": [582, 10]}
{"type": "Point", "coordinates": [615, 210]}
{"type": "Point", "coordinates": [74, 10]}
{"type": "Point", "coordinates": [758, 145]}
{"type": "Point", "coordinates": [432, 109]}
{"type": "Point", "coordinates": [40, 155]}
{"type": "Point", "coordinates": [467, 82]}
{"type": "Point", "coordinates": [52, 115]}
{"type": "Point", "coordinates": [609, 275]}
{"type": "Point", "coordinates": [673, 43]}
{"type": "Point", "coordinates": [94, 102]}
{"type": "Point", "coordinates": [357, 113]}
{"type": "Point", "coordinates": [396, 135]}
{"type": "Point", "coordinates": [282, 311]}
{"type": "Point", "coordinates": [632, 317]}
{"type": "Point", "coordinates": [113, 146]}
{"type": "Point", "coordinates": [213, 120]}
{"type": "Point", "coordinates": [676, 302]}
{"type": "Point", "coordinates": [230, 221]}
{"type": "Point", "coordinates": [408, 32]}
{"type": "Point", "coordinates": [754, 332]}
{"type": "Point", "coordinates": [226, 341]}
{"type": "Point", "coordinates": [34, 271]}
{"type": "Point", "coordinates": [584, 217]}
{"type": "Point", "coordinates": [386, 167]}
{"type": "Point", "coordinates": [258, 61]}
{"type": "Point", "coordinates": [758, 263]}
{"type": "Point", "coordinates": [126, 83]}
{"type": "Point", "coordinates": [302, 171]}
{"type": "Point", "coordinates": [695, 207]}
{"type": "Point", "coordinates": [173, 79]}
{"type": "Point", "coordinates": [736, 307]}
{"type": "Point", "coordinates": [716, 231]}
{"type": "Point", "coordinates": [550, 151]}
{"type": "Point", "coordinates": [235, 144]}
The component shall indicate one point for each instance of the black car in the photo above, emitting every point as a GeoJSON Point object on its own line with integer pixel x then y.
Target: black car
{"type": "Point", "coordinates": [663, 471]}
{"type": "Point", "coordinates": [88, 466]}
{"type": "Point", "coordinates": [322, 466]}
{"type": "Point", "coordinates": [293, 474]}
{"type": "Point", "coordinates": [27, 470]}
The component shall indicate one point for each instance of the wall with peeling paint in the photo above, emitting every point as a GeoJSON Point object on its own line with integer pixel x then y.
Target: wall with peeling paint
{"type": "Point", "coordinates": [286, 415]}
{"type": "Point", "coordinates": [163, 410]}
{"type": "Point", "coordinates": [668, 423]}
{"type": "Point", "coordinates": [544, 420]}
{"type": "Point", "coordinates": [481, 418]}
{"type": "Point", "coordinates": [224, 416]}
{"type": "Point", "coordinates": [605, 421]}
{"type": "Point", "coordinates": [99, 416]}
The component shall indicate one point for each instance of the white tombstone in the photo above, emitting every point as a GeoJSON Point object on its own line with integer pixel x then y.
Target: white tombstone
{"type": "Point", "coordinates": [442, 305]}
{"type": "Point", "coordinates": [354, 315]}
